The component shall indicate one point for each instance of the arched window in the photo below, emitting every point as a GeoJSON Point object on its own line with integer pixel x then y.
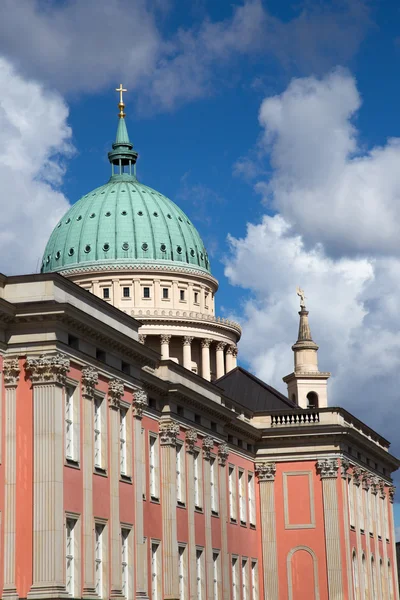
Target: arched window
{"type": "Point", "coordinates": [373, 572]}
{"type": "Point", "coordinates": [390, 581]}
{"type": "Point", "coordinates": [382, 586]}
{"type": "Point", "coordinates": [312, 398]}
{"type": "Point", "coordinates": [356, 586]}
{"type": "Point", "coordinates": [364, 575]}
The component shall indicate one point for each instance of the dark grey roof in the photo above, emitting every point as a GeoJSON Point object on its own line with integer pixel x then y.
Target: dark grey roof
{"type": "Point", "coordinates": [249, 391]}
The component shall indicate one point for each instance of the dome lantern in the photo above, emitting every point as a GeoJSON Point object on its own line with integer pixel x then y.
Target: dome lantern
{"type": "Point", "coordinates": [122, 157]}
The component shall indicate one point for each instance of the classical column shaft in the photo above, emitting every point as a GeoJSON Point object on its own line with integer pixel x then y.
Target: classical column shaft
{"type": "Point", "coordinates": [11, 375]}
{"type": "Point", "coordinates": [266, 476]}
{"type": "Point", "coordinates": [205, 359]}
{"type": "Point", "coordinates": [89, 380]}
{"type": "Point", "coordinates": [115, 393]}
{"type": "Point", "coordinates": [208, 444]}
{"type": "Point", "coordinates": [222, 458]}
{"type": "Point", "coordinates": [165, 340]}
{"type": "Point", "coordinates": [344, 468]}
{"type": "Point", "coordinates": [220, 359]}
{"type": "Point", "coordinates": [191, 437]}
{"type": "Point", "coordinates": [230, 362]}
{"type": "Point", "coordinates": [48, 374]}
{"type": "Point", "coordinates": [187, 352]}
{"type": "Point", "coordinates": [168, 432]}
{"type": "Point", "coordinates": [140, 401]}
{"type": "Point", "coordinates": [328, 469]}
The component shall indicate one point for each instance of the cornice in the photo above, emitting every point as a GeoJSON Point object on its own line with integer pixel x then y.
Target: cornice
{"type": "Point", "coordinates": [161, 316]}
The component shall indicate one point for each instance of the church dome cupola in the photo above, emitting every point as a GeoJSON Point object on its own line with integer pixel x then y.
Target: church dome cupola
{"type": "Point", "coordinates": [122, 156]}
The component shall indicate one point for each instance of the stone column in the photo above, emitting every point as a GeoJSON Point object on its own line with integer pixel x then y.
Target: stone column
{"type": "Point", "coordinates": [395, 575]}
{"type": "Point", "coordinates": [187, 351]}
{"type": "Point", "coordinates": [223, 453]}
{"type": "Point", "coordinates": [191, 439]}
{"type": "Point", "coordinates": [208, 445]}
{"type": "Point", "coordinates": [168, 431]}
{"type": "Point", "coordinates": [48, 373]}
{"type": "Point", "coordinates": [266, 477]}
{"type": "Point", "coordinates": [205, 358]}
{"type": "Point", "coordinates": [344, 467]}
{"type": "Point", "coordinates": [11, 377]}
{"type": "Point", "coordinates": [139, 402]}
{"type": "Point", "coordinates": [328, 470]}
{"type": "Point", "coordinates": [90, 379]}
{"type": "Point", "coordinates": [234, 357]}
{"type": "Point", "coordinates": [165, 340]}
{"type": "Point", "coordinates": [220, 359]}
{"type": "Point", "coordinates": [115, 393]}
{"type": "Point", "coordinates": [231, 354]}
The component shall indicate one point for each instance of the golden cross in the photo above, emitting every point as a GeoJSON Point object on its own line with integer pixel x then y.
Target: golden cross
{"type": "Point", "coordinates": [120, 90]}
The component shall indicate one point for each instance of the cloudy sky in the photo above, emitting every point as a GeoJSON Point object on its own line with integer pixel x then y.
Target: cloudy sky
{"type": "Point", "coordinates": [275, 125]}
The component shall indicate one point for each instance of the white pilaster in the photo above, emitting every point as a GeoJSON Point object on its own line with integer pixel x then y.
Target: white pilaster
{"type": "Point", "coordinates": [11, 377]}
{"type": "Point", "coordinates": [48, 374]}
{"type": "Point", "coordinates": [191, 438]}
{"type": "Point", "coordinates": [208, 445]}
{"type": "Point", "coordinates": [165, 340]}
{"type": "Point", "coordinates": [115, 393]}
{"type": "Point", "coordinates": [168, 431]}
{"type": "Point", "coordinates": [266, 478]}
{"type": "Point", "coordinates": [223, 453]}
{"type": "Point", "coordinates": [89, 382]}
{"type": "Point", "coordinates": [187, 351]}
{"type": "Point", "coordinates": [328, 469]}
{"type": "Point", "coordinates": [205, 358]}
{"type": "Point", "coordinates": [220, 359]}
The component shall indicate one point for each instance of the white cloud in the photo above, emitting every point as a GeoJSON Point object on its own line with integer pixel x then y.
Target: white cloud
{"type": "Point", "coordinates": [322, 176]}
{"type": "Point", "coordinates": [335, 234]}
{"type": "Point", "coordinates": [34, 139]}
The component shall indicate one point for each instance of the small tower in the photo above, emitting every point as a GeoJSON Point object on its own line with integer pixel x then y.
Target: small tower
{"type": "Point", "coordinates": [307, 386]}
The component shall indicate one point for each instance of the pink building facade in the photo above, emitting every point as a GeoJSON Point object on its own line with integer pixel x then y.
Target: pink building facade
{"type": "Point", "coordinates": [125, 475]}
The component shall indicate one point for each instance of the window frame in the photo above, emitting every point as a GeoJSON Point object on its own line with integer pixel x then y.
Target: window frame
{"type": "Point", "coordinates": [154, 466]}
{"type": "Point", "coordinates": [72, 418]}
{"type": "Point", "coordinates": [180, 474]}
{"type": "Point", "coordinates": [251, 495]}
{"type": "Point", "coordinates": [100, 558]}
{"type": "Point", "coordinates": [198, 479]}
{"type": "Point", "coordinates": [100, 428]}
{"type": "Point", "coordinates": [74, 546]}
{"type": "Point", "coordinates": [232, 491]}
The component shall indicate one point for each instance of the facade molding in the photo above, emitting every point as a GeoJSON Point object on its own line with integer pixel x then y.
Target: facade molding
{"type": "Point", "coordinates": [48, 368]}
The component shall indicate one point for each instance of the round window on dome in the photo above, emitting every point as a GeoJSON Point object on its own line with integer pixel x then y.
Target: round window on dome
{"type": "Point", "coordinates": [201, 256]}
{"type": "Point", "coordinates": [124, 213]}
{"type": "Point", "coordinates": [145, 246]}
{"type": "Point", "coordinates": [180, 219]}
{"type": "Point", "coordinates": [140, 213]}
{"type": "Point", "coordinates": [79, 218]}
{"type": "Point", "coordinates": [92, 216]}
{"type": "Point", "coordinates": [179, 249]}
{"type": "Point", "coordinates": [67, 221]}
{"type": "Point", "coordinates": [108, 214]}
{"type": "Point", "coordinates": [48, 259]}
{"type": "Point", "coordinates": [155, 214]}
{"type": "Point", "coordinates": [58, 255]}
{"type": "Point", "coordinates": [71, 252]}
{"type": "Point", "coordinates": [59, 225]}
{"type": "Point", "coordinates": [163, 248]}
{"type": "Point", "coordinates": [87, 248]}
{"type": "Point", "coordinates": [125, 246]}
{"type": "Point", "coordinates": [191, 252]}
{"type": "Point", "coordinates": [169, 216]}
{"type": "Point", "coordinates": [106, 247]}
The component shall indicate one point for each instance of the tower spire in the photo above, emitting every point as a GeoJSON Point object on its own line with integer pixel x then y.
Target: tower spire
{"type": "Point", "coordinates": [307, 386]}
{"type": "Point", "coordinates": [122, 157]}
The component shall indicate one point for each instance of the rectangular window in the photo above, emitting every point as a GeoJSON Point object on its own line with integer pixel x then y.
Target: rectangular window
{"type": "Point", "coordinates": [98, 441]}
{"type": "Point", "coordinates": [153, 463]}
{"type": "Point", "coordinates": [232, 493]}
{"type": "Point", "coordinates": [125, 561]}
{"type": "Point", "coordinates": [216, 576]}
{"type": "Point", "coordinates": [182, 571]}
{"type": "Point", "coordinates": [146, 292]}
{"type": "Point", "coordinates": [126, 292]}
{"type": "Point", "coordinates": [242, 497]}
{"type": "Point", "coordinates": [254, 580]}
{"type": "Point", "coordinates": [200, 574]}
{"type": "Point", "coordinates": [371, 512]}
{"type": "Point", "coordinates": [235, 579]}
{"type": "Point", "coordinates": [143, 446]}
{"type": "Point", "coordinates": [245, 583]}
{"type": "Point", "coordinates": [378, 516]}
{"type": "Point", "coordinates": [181, 294]}
{"type": "Point", "coordinates": [251, 497]}
{"type": "Point", "coordinates": [366, 510]}
{"type": "Point", "coordinates": [99, 559]}
{"type": "Point", "coordinates": [350, 489]}
{"type": "Point", "coordinates": [180, 474]}
{"type": "Point", "coordinates": [386, 517]}
{"type": "Point", "coordinates": [70, 556]}
{"type": "Point", "coordinates": [206, 300]}
{"type": "Point", "coordinates": [360, 509]}
{"type": "Point", "coordinates": [106, 293]}
{"type": "Point", "coordinates": [70, 429]}
{"type": "Point", "coordinates": [156, 574]}
{"type": "Point", "coordinates": [165, 293]}
{"type": "Point", "coordinates": [214, 485]}
{"type": "Point", "coordinates": [198, 491]}
{"type": "Point", "coordinates": [196, 297]}
{"type": "Point", "coordinates": [122, 441]}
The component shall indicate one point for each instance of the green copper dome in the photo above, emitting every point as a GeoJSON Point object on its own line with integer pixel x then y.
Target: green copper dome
{"type": "Point", "coordinates": [124, 224]}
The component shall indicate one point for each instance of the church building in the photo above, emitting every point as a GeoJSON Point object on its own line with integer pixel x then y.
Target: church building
{"type": "Point", "coordinates": [138, 461]}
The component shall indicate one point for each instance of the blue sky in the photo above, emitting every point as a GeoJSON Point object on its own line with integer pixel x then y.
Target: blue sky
{"type": "Point", "coordinates": [274, 123]}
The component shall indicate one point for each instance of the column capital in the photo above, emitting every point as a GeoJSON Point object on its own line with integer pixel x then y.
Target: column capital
{"type": "Point", "coordinates": [191, 439]}
{"type": "Point", "coordinates": [206, 342]}
{"type": "Point", "coordinates": [142, 338]}
{"type": "Point", "coordinates": [90, 378]}
{"type": "Point", "coordinates": [366, 481]}
{"type": "Point", "coordinates": [392, 491]}
{"type": "Point", "coordinates": [208, 445]}
{"type": "Point", "coordinates": [168, 432]}
{"type": "Point", "coordinates": [187, 340]}
{"type": "Point", "coordinates": [328, 468]}
{"type": "Point", "coordinates": [48, 368]}
{"type": "Point", "coordinates": [221, 346]}
{"type": "Point", "coordinates": [140, 400]}
{"type": "Point", "coordinates": [223, 453]}
{"type": "Point", "coordinates": [358, 474]}
{"type": "Point", "coordinates": [374, 482]}
{"type": "Point", "coordinates": [382, 489]}
{"type": "Point", "coordinates": [165, 338]}
{"type": "Point", "coordinates": [344, 467]}
{"type": "Point", "coordinates": [266, 471]}
{"type": "Point", "coordinates": [115, 393]}
{"type": "Point", "coordinates": [11, 372]}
